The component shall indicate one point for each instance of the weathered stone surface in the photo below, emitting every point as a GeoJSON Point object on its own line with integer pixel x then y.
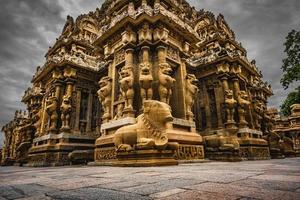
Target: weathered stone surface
{"type": "Point", "coordinates": [213, 180]}
{"type": "Point", "coordinates": [95, 194]}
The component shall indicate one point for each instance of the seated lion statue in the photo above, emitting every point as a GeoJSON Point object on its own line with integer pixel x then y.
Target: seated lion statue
{"type": "Point", "coordinates": [150, 130]}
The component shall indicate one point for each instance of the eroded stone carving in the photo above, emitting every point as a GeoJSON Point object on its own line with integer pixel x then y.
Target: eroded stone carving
{"type": "Point", "coordinates": [52, 111]}
{"type": "Point", "coordinates": [146, 133]}
{"type": "Point", "coordinates": [166, 82]}
{"type": "Point", "coordinates": [126, 84]}
{"type": "Point", "coordinates": [244, 104]}
{"type": "Point", "coordinates": [146, 80]}
{"type": "Point", "coordinates": [65, 109]}
{"type": "Point", "coordinates": [230, 104]}
{"type": "Point", "coordinates": [104, 94]}
{"type": "Point", "coordinates": [191, 91]}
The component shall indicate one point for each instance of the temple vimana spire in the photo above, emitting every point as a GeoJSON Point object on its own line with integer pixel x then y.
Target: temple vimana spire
{"type": "Point", "coordinates": [146, 83]}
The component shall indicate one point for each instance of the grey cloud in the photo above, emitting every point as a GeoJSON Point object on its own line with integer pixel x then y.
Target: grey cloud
{"type": "Point", "coordinates": [27, 29]}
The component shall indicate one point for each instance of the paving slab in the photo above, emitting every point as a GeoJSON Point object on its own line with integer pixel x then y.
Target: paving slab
{"type": "Point", "coordinates": [267, 179]}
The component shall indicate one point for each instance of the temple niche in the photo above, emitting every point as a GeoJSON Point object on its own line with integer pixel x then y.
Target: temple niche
{"type": "Point", "coordinates": [143, 83]}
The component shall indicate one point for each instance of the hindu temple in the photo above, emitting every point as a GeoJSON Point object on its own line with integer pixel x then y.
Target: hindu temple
{"type": "Point", "coordinates": [147, 83]}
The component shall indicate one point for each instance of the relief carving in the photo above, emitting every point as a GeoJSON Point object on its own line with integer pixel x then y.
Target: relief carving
{"type": "Point", "coordinates": [104, 94]}
{"type": "Point", "coordinates": [65, 109]}
{"type": "Point", "coordinates": [166, 82]}
{"type": "Point", "coordinates": [52, 111]}
{"type": "Point", "coordinates": [230, 104]}
{"type": "Point", "coordinates": [126, 85]}
{"type": "Point", "coordinates": [146, 80]}
{"type": "Point", "coordinates": [191, 90]}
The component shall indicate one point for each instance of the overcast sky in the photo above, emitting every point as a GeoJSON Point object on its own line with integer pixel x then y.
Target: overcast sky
{"type": "Point", "coordinates": [29, 27]}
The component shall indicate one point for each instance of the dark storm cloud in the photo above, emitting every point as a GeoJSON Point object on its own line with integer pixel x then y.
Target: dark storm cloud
{"type": "Point", "coordinates": [28, 27]}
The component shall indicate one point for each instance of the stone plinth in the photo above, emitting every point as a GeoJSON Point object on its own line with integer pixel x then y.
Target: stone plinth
{"type": "Point", "coordinates": [252, 146]}
{"type": "Point", "coordinates": [54, 149]}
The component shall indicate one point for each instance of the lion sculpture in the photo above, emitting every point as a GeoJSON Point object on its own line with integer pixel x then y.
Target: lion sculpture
{"type": "Point", "coordinates": [166, 82]}
{"type": "Point", "coordinates": [104, 94]}
{"type": "Point", "coordinates": [191, 91]}
{"type": "Point", "coordinates": [243, 99]}
{"type": "Point", "coordinates": [51, 109]}
{"type": "Point", "coordinates": [150, 130]}
{"type": "Point", "coordinates": [230, 103]}
{"type": "Point", "coordinates": [146, 80]}
{"type": "Point", "coordinates": [65, 109]}
{"type": "Point", "coordinates": [126, 84]}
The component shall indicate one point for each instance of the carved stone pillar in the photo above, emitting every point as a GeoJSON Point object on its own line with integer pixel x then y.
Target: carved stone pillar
{"type": "Point", "coordinates": [127, 82]}
{"type": "Point", "coordinates": [230, 103]}
{"type": "Point", "coordinates": [66, 105]}
{"type": "Point", "coordinates": [161, 54]}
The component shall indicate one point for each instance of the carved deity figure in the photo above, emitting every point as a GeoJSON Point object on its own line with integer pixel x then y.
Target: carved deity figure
{"type": "Point", "coordinates": [150, 130]}
{"type": "Point", "coordinates": [230, 104]}
{"type": "Point", "coordinates": [191, 91]}
{"type": "Point", "coordinates": [51, 109]}
{"type": "Point", "coordinates": [166, 82]}
{"type": "Point", "coordinates": [126, 84]}
{"type": "Point", "coordinates": [104, 94]}
{"type": "Point", "coordinates": [244, 104]}
{"type": "Point", "coordinates": [146, 80]}
{"type": "Point", "coordinates": [65, 109]}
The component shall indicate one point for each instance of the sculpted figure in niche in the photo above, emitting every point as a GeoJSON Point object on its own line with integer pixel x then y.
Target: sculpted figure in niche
{"type": "Point", "coordinates": [191, 91]}
{"type": "Point", "coordinates": [51, 109]}
{"type": "Point", "coordinates": [146, 80]}
{"type": "Point", "coordinates": [150, 130]}
{"type": "Point", "coordinates": [65, 109]}
{"type": "Point", "coordinates": [230, 103]}
{"type": "Point", "coordinates": [126, 84]}
{"type": "Point", "coordinates": [104, 94]}
{"type": "Point", "coordinates": [166, 82]}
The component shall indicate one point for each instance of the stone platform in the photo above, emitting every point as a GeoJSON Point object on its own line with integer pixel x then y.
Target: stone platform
{"type": "Point", "coordinates": [267, 179]}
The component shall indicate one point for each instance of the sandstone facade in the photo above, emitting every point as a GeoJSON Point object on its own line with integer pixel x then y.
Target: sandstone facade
{"type": "Point", "coordinates": [107, 64]}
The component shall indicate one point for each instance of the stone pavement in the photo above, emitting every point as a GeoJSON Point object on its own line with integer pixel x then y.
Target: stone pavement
{"type": "Point", "coordinates": [269, 179]}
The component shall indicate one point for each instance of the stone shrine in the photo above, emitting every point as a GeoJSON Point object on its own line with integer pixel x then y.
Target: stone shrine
{"type": "Point", "coordinates": [145, 83]}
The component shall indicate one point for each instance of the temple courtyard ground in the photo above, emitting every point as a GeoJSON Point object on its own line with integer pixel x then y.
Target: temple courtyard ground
{"type": "Point", "coordinates": [268, 179]}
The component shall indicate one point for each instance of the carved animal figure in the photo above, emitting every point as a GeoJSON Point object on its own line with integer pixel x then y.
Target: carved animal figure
{"type": "Point", "coordinates": [166, 82]}
{"type": "Point", "coordinates": [150, 130]}
{"type": "Point", "coordinates": [126, 84]}
{"type": "Point", "coordinates": [65, 109]}
{"type": "Point", "coordinates": [104, 94]}
{"type": "Point", "coordinates": [243, 99]}
{"type": "Point", "coordinates": [191, 91]}
{"type": "Point", "coordinates": [230, 103]}
{"type": "Point", "coordinates": [222, 142]}
{"type": "Point", "coordinates": [51, 109]}
{"type": "Point", "coordinates": [146, 80]}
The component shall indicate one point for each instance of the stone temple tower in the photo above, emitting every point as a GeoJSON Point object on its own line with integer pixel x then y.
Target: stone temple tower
{"type": "Point", "coordinates": [139, 83]}
{"type": "Point", "coordinates": [145, 49]}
